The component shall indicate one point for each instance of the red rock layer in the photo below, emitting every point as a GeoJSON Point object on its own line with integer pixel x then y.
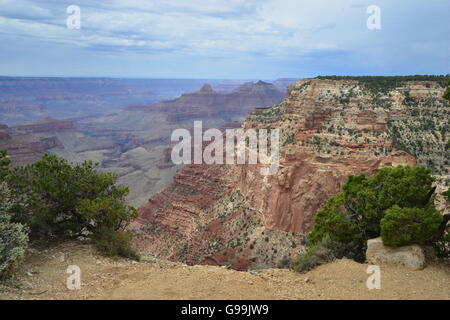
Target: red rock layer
{"type": "Point", "coordinates": [330, 129]}
{"type": "Point", "coordinates": [27, 143]}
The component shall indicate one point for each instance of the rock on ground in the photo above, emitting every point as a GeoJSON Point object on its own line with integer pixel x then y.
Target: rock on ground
{"type": "Point", "coordinates": [412, 256]}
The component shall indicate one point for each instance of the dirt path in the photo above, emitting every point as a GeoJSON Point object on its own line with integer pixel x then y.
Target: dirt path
{"type": "Point", "coordinates": [44, 276]}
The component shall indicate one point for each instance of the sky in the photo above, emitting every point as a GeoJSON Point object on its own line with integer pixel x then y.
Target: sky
{"type": "Point", "coordinates": [223, 39]}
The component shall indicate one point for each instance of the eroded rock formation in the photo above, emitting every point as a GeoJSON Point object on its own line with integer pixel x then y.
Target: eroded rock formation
{"type": "Point", "coordinates": [208, 103]}
{"type": "Point", "coordinates": [141, 134]}
{"type": "Point", "coordinates": [27, 143]}
{"type": "Point", "coordinates": [329, 130]}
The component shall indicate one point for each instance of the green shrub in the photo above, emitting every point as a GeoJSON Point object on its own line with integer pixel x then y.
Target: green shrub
{"type": "Point", "coordinates": [402, 226]}
{"type": "Point", "coordinates": [115, 243]}
{"type": "Point", "coordinates": [366, 199]}
{"type": "Point", "coordinates": [354, 215]}
{"type": "Point", "coordinates": [58, 196]}
{"type": "Point", "coordinates": [320, 253]}
{"type": "Point", "coordinates": [447, 92]}
{"type": "Point", "coordinates": [13, 236]}
{"type": "Point", "coordinates": [4, 164]}
{"type": "Point", "coordinates": [106, 213]}
{"type": "Point", "coordinates": [331, 221]}
{"type": "Point", "coordinates": [59, 199]}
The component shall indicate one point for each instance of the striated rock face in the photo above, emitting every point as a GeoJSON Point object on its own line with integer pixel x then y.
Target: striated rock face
{"type": "Point", "coordinates": [329, 130]}
{"type": "Point", "coordinates": [291, 198]}
{"type": "Point", "coordinates": [46, 125]}
{"type": "Point", "coordinates": [141, 134]}
{"type": "Point", "coordinates": [26, 144]}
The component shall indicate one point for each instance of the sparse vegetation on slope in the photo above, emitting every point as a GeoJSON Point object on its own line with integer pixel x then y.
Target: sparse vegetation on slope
{"type": "Point", "coordinates": [384, 84]}
{"type": "Point", "coordinates": [323, 252]}
{"type": "Point", "coordinates": [447, 194]}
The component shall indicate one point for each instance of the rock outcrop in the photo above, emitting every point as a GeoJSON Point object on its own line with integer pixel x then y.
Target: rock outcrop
{"type": "Point", "coordinates": [26, 144]}
{"type": "Point", "coordinates": [329, 130]}
{"type": "Point", "coordinates": [412, 256]}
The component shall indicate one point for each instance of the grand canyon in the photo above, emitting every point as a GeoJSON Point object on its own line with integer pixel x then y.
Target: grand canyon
{"type": "Point", "coordinates": [193, 218]}
{"type": "Point", "coordinates": [133, 142]}
{"type": "Point", "coordinates": [224, 150]}
{"type": "Point", "coordinates": [232, 215]}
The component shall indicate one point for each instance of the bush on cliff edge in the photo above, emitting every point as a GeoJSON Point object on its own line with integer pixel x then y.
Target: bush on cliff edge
{"type": "Point", "coordinates": [56, 199]}
{"type": "Point", "coordinates": [403, 226]}
{"type": "Point", "coordinates": [396, 203]}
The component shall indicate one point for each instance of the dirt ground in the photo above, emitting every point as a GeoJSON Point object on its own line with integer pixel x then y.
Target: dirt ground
{"type": "Point", "coordinates": [44, 276]}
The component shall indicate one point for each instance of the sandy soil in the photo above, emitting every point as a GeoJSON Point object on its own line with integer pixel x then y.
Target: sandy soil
{"type": "Point", "coordinates": [43, 276]}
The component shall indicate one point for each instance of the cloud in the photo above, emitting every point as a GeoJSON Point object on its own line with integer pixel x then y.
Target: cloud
{"type": "Point", "coordinates": [202, 26]}
{"type": "Point", "coordinates": [263, 30]}
{"type": "Point", "coordinates": [20, 9]}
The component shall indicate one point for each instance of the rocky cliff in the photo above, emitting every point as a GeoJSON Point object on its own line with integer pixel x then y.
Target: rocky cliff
{"type": "Point", "coordinates": [208, 103]}
{"type": "Point", "coordinates": [27, 143]}
{"type": "Point", "coordinates": [46, 125]}
{"type": "Point", "coordinates": [330, 128]}
{"type": "Point", "coordinates": [135, 143]}
{"type": "Point", "coordinates": [141, 134]}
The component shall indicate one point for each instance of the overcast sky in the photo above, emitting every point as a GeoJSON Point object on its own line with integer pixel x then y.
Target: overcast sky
{"type": "Point", "coordinates": [251, 39]}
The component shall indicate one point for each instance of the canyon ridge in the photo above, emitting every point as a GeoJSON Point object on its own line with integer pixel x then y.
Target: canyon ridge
{"type": "Point", "coordinates": [330, 128]}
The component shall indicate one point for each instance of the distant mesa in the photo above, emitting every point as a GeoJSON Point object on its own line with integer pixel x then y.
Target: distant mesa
{"type": "Point", "coordinates": [259, 87]}
{"type": "Point", "coordinates": [46, 120]}
{"type": "Point", "coordinates": [207, 89]}
{"type": "Point", "coordinates": [207, 101]}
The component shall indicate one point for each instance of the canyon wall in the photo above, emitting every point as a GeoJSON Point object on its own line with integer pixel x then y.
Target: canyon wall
{"type": "Point", "coordinates": [134, 143]}
{"type": "Point", "coordinates": [26, 144]}
{"type": "Point", "coordinates": [231, 214]}
{"type": "Point", "coordinates": [141, 133]}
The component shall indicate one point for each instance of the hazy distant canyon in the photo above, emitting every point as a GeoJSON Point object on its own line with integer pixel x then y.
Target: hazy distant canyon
{"type": "Point", "coordinates": [124, 124]}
